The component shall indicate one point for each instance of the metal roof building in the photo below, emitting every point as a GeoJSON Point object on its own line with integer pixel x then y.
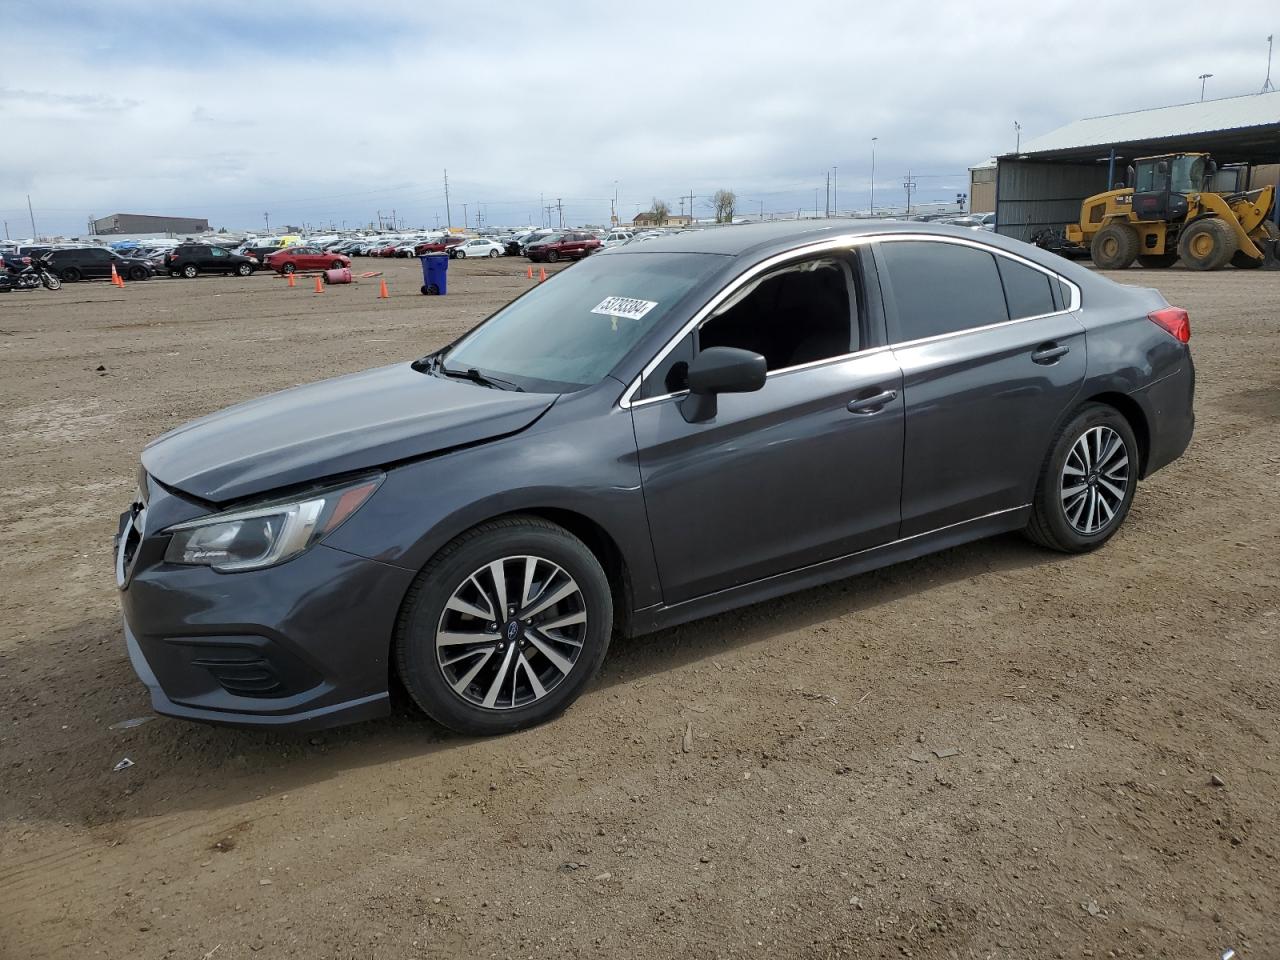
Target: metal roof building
{"type": "Point", "coordinates": [147, 223]}
{"type": "Point", "coordinates": [1043, 185]}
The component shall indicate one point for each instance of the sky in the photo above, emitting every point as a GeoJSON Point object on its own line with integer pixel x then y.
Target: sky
{"type": "Point", "coordinates": [249, 113]}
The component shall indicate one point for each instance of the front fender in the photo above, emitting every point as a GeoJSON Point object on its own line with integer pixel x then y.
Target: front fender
{"type": "Point", "coordinates": [568, 461]}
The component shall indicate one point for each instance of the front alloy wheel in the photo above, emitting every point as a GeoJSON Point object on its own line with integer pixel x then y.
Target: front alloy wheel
{"type": "Point", "coordinates": [511, 632]}
{"type": "Point", "coordinates": [504, 627]}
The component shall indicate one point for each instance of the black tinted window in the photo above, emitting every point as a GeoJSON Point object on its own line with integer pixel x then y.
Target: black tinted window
{"type": "Point", "coordinates": [942, 288]}
{"type": "Point", "coordinates": [1027, 291]}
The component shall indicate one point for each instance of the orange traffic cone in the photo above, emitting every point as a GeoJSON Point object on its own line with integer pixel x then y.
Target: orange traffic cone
{"type": "Point", "coordinates": [542, 273]}
{"type": "Point", "coordinates": [382, 291]}
{"type": "Point", "coordinates": [115, 277]}
{"type": "Point", "coordinates": [292, 282]}
{"type": "Point", "coordinates": [529, 274]}
{"type": "Point", "coordinates": [319, 284]}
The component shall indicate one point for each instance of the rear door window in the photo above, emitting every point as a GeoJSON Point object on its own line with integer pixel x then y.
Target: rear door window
{"type": "Point", "coordinates": [940, 288]}
{"type": "Point", "coordinates": [1027, 291]}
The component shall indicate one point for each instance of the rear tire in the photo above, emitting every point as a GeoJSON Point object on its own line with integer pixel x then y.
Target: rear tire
{"type": "Point", "coordinates": [288, 268]}
{"type": "Point", "coordinates": [190, 271]}
{"type": "Point", "coordinates": [1076, 489]}
{"type": "Point", "coordinates": [71, 274]}
{"type": "Point", "coordinates": [1207, 244]}
{"type": "Point", "coordinates": [1114, 247]}
{"type": "Point", "coordinates": [1157, 261]}
{"type": "Point", "coordinates": [461, 577]}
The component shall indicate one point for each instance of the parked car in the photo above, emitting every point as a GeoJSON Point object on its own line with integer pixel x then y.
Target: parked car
{"type": "Point", "coordinates": [300, 257]}
{"type": "Point", "coordinates": [616, 237]}
{"type": "Point", "coordinates": [440, 245]}
{"type": "Point", "coordinates": [476, 247]}
{"type": "Point", "coordinates": [193, 259]}
{"type": "Point", "coordinates": [572, 245]}
{"type": "Point", "coordinates": [95, 263]}
{"type": "Point", "coordinates": [513, 246]}
{"type": "Point", "coordinates": [639, 442]}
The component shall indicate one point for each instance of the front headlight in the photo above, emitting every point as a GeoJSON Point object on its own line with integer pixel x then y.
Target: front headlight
{"type": "Point", "coordinates": [265, 535]}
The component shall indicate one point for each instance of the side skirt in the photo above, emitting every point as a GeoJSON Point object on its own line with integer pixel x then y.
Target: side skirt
{"type": "Point", "coordinates": [661, 616]}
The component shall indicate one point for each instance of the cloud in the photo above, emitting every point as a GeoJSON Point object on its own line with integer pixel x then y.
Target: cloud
{"type": "Point", "coordinates": [346, 114]}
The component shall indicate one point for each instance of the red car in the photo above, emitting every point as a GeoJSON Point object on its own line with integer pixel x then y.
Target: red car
{"type": "Point", "coordinates": [290, 259]}
{"type": "Point", "coordinates": [564, 246]}
{"type": "Point", "coordinates": [438, 246]}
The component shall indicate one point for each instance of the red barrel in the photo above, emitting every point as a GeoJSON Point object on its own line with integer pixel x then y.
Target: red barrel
{"type": "Point", "coordinates": [341, 275]}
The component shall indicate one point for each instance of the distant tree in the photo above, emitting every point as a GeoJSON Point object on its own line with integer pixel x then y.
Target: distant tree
{"type": "Point", "coordinates": [725, 201]}
{"type": "Point", "coordinates": [660, 210]}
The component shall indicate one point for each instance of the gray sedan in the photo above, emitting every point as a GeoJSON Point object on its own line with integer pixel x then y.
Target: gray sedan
{"type": "Point", "coordinates": [664, 431]}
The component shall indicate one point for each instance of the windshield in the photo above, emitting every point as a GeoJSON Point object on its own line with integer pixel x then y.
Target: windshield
{"type": "Point", "coordinates": [1185, 174]}
{"type": "Point", "coordinates": [569, 332]}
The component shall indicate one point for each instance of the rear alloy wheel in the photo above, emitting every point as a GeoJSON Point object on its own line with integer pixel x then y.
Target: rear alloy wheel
{"type": "Point", "coordinates": [190, 271]}
{"type": "Point", "coordinates": [1087, 483]}
{"type": "Point", "coordinates": [1207, 244]}
{"type": "Point", "coordinates": [288, 268]}
{"type": "Point", "coordinates": [504, 627]}
{"type": "Point", "coordinates": [1114, 247]}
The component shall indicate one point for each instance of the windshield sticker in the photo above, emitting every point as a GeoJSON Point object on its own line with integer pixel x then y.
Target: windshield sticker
{"type": "Point", "coordinates": [628, 307]}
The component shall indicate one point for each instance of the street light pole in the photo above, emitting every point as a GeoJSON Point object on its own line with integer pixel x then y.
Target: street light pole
{"type": "Point", "coordinates": [873, 175]}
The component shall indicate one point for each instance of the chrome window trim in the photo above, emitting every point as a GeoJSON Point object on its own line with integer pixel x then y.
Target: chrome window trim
{"type": "Point", "coordinates": [845, 242]}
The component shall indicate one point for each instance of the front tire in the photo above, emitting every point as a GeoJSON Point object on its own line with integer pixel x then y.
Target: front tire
{"type": "Point", "coordinates": [337, 265]}
{"type": "Point", "coordinates": [1207, 244]}
{"type": "Point", "coordinates": [552, 256]}
{"type": "Point", "coordinates": [137, 273]}
{"type": "Point", "coordinates": [538, 605]}
{"type": "Point", "coordinates": [244, 269]}
{"type": "Point", "coordinates": [492, 254]}
{"type": "Point", "coordinates": [1087, 483]}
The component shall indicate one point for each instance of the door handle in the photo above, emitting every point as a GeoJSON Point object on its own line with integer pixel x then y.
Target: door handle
{"type": "Point", "coordinates": [872, 404]}
{"type": "Point", "coordinates": [1049, 353]}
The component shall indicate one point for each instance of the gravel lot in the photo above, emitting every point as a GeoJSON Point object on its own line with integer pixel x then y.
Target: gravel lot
{"type": "Point", "coordinates": [991, 752]}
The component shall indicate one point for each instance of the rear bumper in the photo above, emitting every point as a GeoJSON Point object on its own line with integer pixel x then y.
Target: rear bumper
{"type": "Point", "coordinates": [1169, 405]}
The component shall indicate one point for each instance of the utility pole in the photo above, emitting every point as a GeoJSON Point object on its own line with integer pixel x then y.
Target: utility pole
{"type": "Point", "coordinates": [464, 216]}
{"type": "Point", "coordinates": [542, 204]}
{"type": "Point", "coordinates": [560, 209]}
{"type": "Point", "coordinates": [1017, 131]}
{"type": "Point", "coordinates": [266, 218]}
{"type": "Point", "coordinates": [873, 175]}
{"type": "Point", "coordinates": [909, 184]}
{"type": "Point", "coordinates": [33, 218]}
{"type": "Point", "coordinates": [1202, 78]}
{"type": "Point", "coordinates": [615, 204]}
{"type": "Point", "coordinates": [762, 211]}
{"type": "Point", "coordinates": [1267, 86]}
{"type": "Point", "coordinates": [815, 203]}
{"type": "Point", "coordinates": [835, 201]}
{"type": "Point", "coordinates": [448, 214]}
{"type": "Point", "coordinates": [828, 209]}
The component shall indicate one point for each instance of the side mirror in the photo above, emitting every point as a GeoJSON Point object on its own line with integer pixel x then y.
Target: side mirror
{"type": "Point", "coordinates": [719, 370]}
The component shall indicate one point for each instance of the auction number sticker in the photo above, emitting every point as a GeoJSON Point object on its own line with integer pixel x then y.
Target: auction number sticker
{"type": "Point", "coordinates": [628, 307]}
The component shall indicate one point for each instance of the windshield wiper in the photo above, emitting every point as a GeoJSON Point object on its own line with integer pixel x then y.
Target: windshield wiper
{"type": "Point", "coordinates": [484, 379]}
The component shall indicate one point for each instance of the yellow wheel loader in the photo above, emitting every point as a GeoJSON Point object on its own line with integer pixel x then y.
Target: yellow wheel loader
{"type": "Point", "coordinates": [1177, 207]}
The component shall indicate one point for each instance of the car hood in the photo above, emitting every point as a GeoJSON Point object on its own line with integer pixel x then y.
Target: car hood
{"type": "Point", "coordinates": [333, 427]}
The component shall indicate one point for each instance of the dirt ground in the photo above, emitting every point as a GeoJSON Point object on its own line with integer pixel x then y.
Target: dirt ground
{"type": "Point", "coordinates": [991, 752]}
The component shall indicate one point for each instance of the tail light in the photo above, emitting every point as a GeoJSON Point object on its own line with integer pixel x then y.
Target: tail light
{"type": "Point", "coordinates": [1175, 321]}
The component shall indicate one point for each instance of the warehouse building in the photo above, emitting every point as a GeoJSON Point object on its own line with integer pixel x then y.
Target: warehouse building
{"type": "Point", "coordinates": [1042, 187]}
{"type": "Point", "coordinates": [146, 223]}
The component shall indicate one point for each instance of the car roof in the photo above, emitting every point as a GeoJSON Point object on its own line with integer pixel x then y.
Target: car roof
{"type": "Point", "coordinates": [759, 240]}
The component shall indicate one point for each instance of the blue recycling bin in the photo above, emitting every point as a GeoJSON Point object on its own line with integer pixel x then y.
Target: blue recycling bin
{"type": "Point", "coordinates": [435, 273]}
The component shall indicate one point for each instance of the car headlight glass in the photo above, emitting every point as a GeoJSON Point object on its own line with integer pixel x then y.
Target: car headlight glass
{"type": "Point", "coordinates": [262, 536]}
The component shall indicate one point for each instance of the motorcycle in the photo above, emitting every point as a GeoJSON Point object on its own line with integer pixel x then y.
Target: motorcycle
{"type": "Point", "coordinates": [27, 273]}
